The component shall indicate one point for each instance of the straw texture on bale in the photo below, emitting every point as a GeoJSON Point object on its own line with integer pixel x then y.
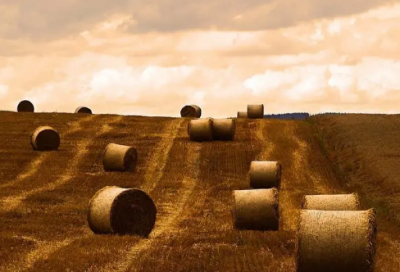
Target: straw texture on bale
{"type": "Point", "coordinates": [191, 111]}
{"type": "Point", "coordinates": [119, 158]}
{"type": "Point", "coordinates": [265, 174]}
{"type": "Point", "coordinates": [255, 111]}
{"type": "Point", "coordinates": [83, 110]}
{"type": "Point", "coordinates": [123, 211]}
{"type": "Point", "coordinates": [336, 241]}
{"type": "Point", "coordinates": [201, 130]}
{"type": "Point", "coordinates": [338, 202]}
{"type": "Point", "coordinates": [25, 106]}
{"type": "Point", "coordinates": [45, 138]}
{"type": "Point", "coordinates": [242, 114]}
{"type": "Point", "coordinates": [223, 129]}
{"type": "Point", "coordinates": [256, 209]}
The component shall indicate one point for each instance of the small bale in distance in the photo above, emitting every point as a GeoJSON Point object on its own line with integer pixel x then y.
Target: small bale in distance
{"type": "Point", "coordinates": [83, 110]}
{"type": "Point", "coordinates": [201, 130]}
{"type": "Point", "coordinates": [337, 202]}
{"type": "Point", "coordinates": [45, 138]}
{"type": "Point", "coordinates": [255, 111]}
{"type": "Point", "coordinates": [123, 211]}
{"type": "Point", "coordinates": [334, 241]}
{"type": "Point", "coordinates": [119, 158]}
{"type": "Point", "coordinates": [223, 129]}
{"type": "Point", "coordinates": [242, 114]}
{"type": "Point", "coordinates": [256, 209]}
{"type": "Point", "coordinates": [191, 111]}
{"type": "Point", "coordinates": [25, 106]}
{"type": "Point", "coordinates": [265, 174]}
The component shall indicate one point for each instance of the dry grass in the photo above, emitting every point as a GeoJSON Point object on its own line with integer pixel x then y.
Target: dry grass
{"type": "Point", "coordinates": [191, 184]}
{"type": "Point", "coordinates": [365, 152]}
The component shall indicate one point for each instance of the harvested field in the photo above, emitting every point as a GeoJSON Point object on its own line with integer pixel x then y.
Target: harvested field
{"type": "Point", "coordinates": [191, 184]}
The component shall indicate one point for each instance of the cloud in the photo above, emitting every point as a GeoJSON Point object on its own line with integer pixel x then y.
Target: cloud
{"type": "Point", "coordinates": [45, 20]}
{"type": "Point", "coordinates": [347, 63]}
{"type": "Point", "coordinates": [3, 90]}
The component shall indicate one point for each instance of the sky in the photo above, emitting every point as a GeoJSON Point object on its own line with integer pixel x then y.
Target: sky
{"type": "Point", "coordinates": [153, 57]}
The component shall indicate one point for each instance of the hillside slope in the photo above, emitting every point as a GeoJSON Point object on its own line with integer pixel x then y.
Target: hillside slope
{"type": "Point", "coordinates": [44, 196]}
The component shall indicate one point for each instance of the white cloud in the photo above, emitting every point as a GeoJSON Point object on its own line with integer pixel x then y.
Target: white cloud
{"type": "Point", "coordinates": [345, 63]}
{"type": "Point", "coordinates": [3, 90]}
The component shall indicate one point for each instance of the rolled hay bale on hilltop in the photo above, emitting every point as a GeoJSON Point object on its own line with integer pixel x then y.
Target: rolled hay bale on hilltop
{"type": "Point", "coordinates": [201, 130]}
{"type": "Point", "coordinates": [256, 209]}
{"type": "Point", "coordinates": [119, 158]}
{"type": "Point", "coordinates": [242, 114]}
{"type": "Point", "coordinates": [25, 106]}
{"type": "Point", "coordinates": [191, 111]}
{"type": "Point", "coordinates": [83, 110]}
{"type": "Point", "coordinates": [123, 211]}
{"type": "Point", "coordinates": [265, 174]}
{"type": "Point", "coordinates": [338, 202]}
{"type": "Point", "coordinates": [336, 241]}
{"type": "Point", "coordinates": [223, 129]}
{"type": "Point", "coordinates": [255, 111]}
{"type": "Point", "coordinates": [45, 138]}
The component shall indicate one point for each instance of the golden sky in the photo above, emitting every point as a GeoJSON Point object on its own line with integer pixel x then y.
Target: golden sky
{"type": "Point", "coordinates": [153, 57]}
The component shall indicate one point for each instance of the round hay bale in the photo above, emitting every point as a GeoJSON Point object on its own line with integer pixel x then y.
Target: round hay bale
{"type": "Point", "coordinates": [256, 209]}
{"type": "Point", "coordinates": [121, 211]}
{"type": "Point", "coordinates": [338, 202]}
{"type": "Point", "coordinates": [191, 111]}
{"type": "Point", "coordinates": [201, 130]}
{"type": "Point", "coordinates": [83, 110]}
{"type": "Point", "coordinates": [25, 106]}
{"type": "Point", "coordinates": [265, 174]}
{"type": "Point", "coordinates": [119, 158]}
{"type": "Point", "coordinates": [223, 129]}
{"type": "Point", "coordinates": [336, 241]}
{"type": "Point", "coordinates": [255, 111]}
{"type": "Point", "coordinates": [45, 138]}
{"type": "Point", "coordinates": [242, 114]}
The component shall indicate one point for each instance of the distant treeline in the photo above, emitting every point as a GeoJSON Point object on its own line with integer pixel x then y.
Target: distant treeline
{"type": "Point", "coordinates": [292, 116]}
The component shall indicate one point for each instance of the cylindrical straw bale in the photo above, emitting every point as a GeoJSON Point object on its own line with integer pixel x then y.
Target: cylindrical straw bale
{"type": "Point", "coordinates": [119, 158]}
{"type": "Point", "coordinates": [191, 111]}
{"type": "Point", "coordinates": [242, 114]}
{"type": "Point", "coordinates": [224, 129]}
{"type": "Point", "coordinates": [121, 211]}
{"type": "Point", "coordinates": [25, 106]}
{"type": "Point", "coordinates": [45, 138]}
{"type": "Point", "coordinates": [83, 110]}
{"type": "Point", "coordinates": [256, 209]}
{"type": "Point", "coordinates": [255, 111]}
{"type": "Point", "coordinates": [338, 202]}
{"type": "Point", "coordinates": [334, 241]}
{"type": "Point", "coordinates": [265, 174]}
{"type": "Point", "coordinates": [201, 130]}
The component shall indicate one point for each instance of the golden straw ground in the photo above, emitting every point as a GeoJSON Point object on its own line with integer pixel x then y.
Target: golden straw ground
{"type": "Point", "coordinates": [42, 252]}
{"type": "Point", "coordinates": [13, 201]}
{"type": "Point", "coordinates": [156, 163]}
{"type": "Point", "coordinates": [258, 130]}
{"type": "Point", "coordinates": [169, 218]}
{"type": "Point", "coordinates": [193, 239]}
{"type": "Point", "coordinates": [154, 167]}
{"type": "Point", "coordinates": [47, 248]}
{"type": "Point", "coordinates": [167, 223]}
{"type": "Point", "coordinates": [34, 167]}
{"type": "Point", "coordinates": [290, 211]}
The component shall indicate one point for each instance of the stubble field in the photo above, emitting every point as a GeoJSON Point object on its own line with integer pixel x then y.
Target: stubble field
{"type": "Point", "coordinates": [44, 196]}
